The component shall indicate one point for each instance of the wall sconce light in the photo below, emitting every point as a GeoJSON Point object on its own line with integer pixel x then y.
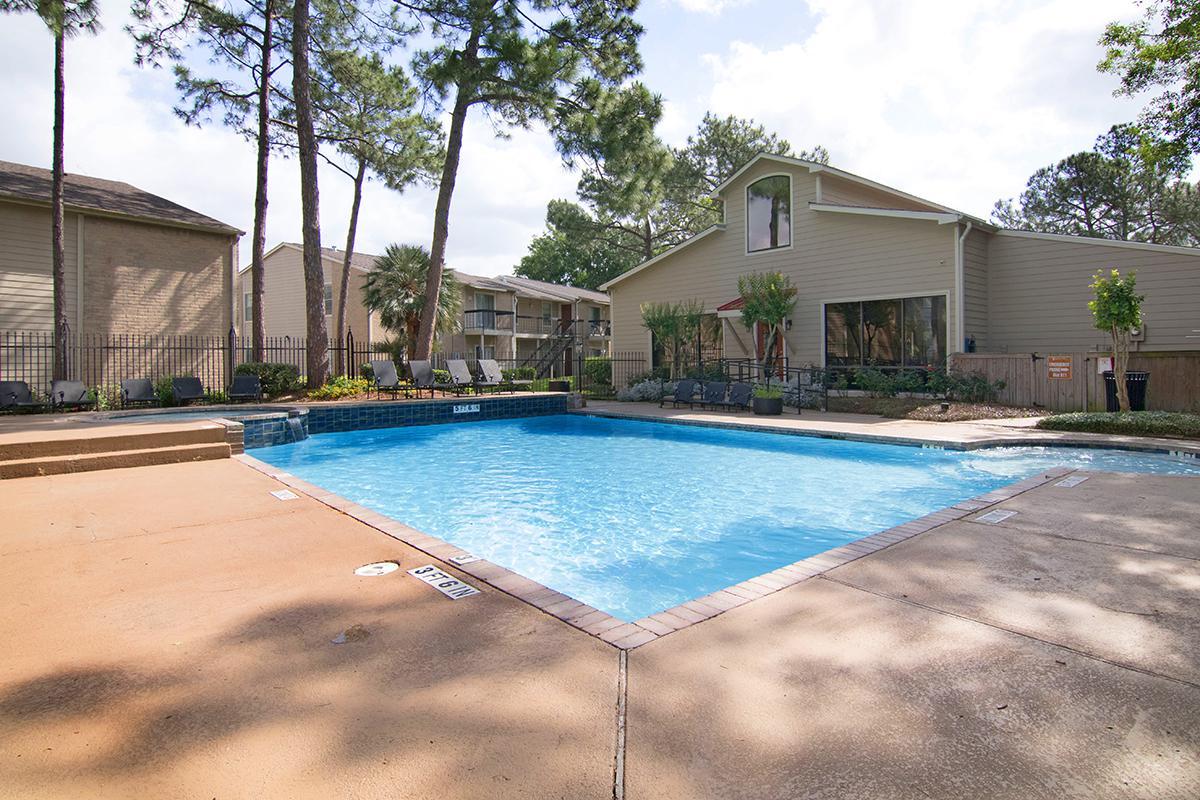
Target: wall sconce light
{"type": "Point", "coordinates": [787, 324]}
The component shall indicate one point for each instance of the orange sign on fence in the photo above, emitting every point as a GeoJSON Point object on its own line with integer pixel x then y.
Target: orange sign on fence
{"type": "Point", "coordinates": [1059, 367]}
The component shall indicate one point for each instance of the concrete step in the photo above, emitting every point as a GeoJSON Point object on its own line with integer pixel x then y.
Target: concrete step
{"type": "Point", "coordinates": [117, 438]}
{"type": "Point", "coordinates": [117, 459]}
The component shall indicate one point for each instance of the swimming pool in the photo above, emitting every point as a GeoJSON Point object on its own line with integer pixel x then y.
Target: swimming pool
{"type": "Point", "coordinates": [636, 517]}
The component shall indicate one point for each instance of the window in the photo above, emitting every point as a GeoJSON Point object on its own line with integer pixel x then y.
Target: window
{"type": "Point", "coordinates": [595, 311]}
{"type": "Point", "coordinates": [485, 351]}
{"type": "Point", "coordinates": [485, 302]}
{"type": "Point", "coordinates": [904, 332]}
{"type": "Point", "coordinates": [769, 213]}
{"type": "Point", "coordinates": [485, 311]}
{"type": "Point", "coordinates": [248, 307]}
{"type": "Point", "coordinates": [329, 299]}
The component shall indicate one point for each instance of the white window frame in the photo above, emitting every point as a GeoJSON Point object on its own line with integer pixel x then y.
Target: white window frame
{"type": "Point", "coordinates": [791, 214]}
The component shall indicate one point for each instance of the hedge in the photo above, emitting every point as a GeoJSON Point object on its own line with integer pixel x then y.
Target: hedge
{"type": "Point", "coordinates": [1128, 423]}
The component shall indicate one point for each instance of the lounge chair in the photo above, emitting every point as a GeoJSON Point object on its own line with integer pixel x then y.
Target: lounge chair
{"type": "Point", "coordinates": [461, 378]}
{"type": "Point", "coordinates": [70, 394]}
{"type": "Point", "coordinates": [741, 396]}
{"type": "Point", "coordinates": [185, 390]}
{"type": "Point", "coordinates": [15, 396]}
{"type": "Point", "coordinates": [386, 378]}
{"type": "Point", "coordinates": [423, 379]}
{"type": "Point", "coordinates": [493, 374]}
{"type": "Point", "coordinates": [712, 394]}
{"type": "Point", "coordinates": [685, 392]}
{"type": "Point", "coordinates": [245, 387]}
{"type": "Point", "coordinates": [138, 390]}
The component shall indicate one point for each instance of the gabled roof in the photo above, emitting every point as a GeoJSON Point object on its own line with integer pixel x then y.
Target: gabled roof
{"type": "Point", "coordinates": [23, 183]}
{"type": "Point", "coordinates": [671, 251]}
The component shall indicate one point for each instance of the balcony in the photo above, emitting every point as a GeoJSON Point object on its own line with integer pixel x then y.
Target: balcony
{"type": "Point", "coordinates": [507, 323]}
{"type": "Point", "coordinates": [488, 321]}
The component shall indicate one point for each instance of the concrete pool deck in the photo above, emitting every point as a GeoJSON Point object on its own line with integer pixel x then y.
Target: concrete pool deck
{"type": "Point", "coordinates": [169, 633]}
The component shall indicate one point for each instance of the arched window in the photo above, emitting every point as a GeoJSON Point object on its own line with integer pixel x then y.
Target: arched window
{"type": "Point", "coordinates": [769, 213]}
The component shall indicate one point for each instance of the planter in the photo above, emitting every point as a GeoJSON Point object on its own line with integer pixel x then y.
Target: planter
{"type": "Point", "coordinates": [768, 406]}
{"type": "Point", "coordinates": [560, 386]}
{"type": "Point", "coordinates": [1135, 384]}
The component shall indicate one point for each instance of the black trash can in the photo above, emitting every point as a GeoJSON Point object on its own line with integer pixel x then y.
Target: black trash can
{"type": "Point", "coordinates": [1135, 385]}
{"type": "Point", "coordinates": [560, 386]}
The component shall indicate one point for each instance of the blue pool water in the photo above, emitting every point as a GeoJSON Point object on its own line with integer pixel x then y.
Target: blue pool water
{"type": "Point", "coordinates": [636, 517]}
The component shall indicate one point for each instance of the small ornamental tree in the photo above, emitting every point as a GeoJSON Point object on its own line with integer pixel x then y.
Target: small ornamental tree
{"type": "Point", "coordinates": [767, 299]}
{"type": "Point", "coordinates": [1117, 309]}
{"type": "Point", "coordinates": [674, 325]}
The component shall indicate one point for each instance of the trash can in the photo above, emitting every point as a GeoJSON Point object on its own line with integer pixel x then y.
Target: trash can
{"type": "Point", "coordinates": [1135, 385]}
{"type": "Point", "coordinates": [560, 386]}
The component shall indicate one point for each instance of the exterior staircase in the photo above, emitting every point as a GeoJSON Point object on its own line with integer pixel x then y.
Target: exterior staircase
{"type": "Point", "coordinates": [32, 453]}
{"type": "Point", "coordinates": [550, 350]}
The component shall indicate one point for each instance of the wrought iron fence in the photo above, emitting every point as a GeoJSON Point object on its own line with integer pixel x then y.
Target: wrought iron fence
{"type": "Point", "coordinates": [106, 359]}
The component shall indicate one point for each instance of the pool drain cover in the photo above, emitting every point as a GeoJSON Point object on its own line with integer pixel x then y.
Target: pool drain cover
{"type": "Point", "coordinates": [376, 569]}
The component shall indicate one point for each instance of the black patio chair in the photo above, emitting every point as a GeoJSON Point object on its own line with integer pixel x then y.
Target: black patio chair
{"type": "Point", "coordinates": [423, 378]}
{"type": "Point", "coordinates": [461, 378]}
{"type": "Point", "coordinates": [492, 373]}
{"type": "Point", "coordinates": [187, 389]}
{"type": "Point", "coordinates": [712, 394]}
{"type": "Point", "coordinates": [15, 396]}
{"type": "Point", "coordinates": [685, 394]}
{"type": "Point", "coordinates": [386, 378]}
{"type": "Point", "coordinates": [70, 394]}
{"type": "Point", "coordinates": [135, 391]}
{"type": "Point", "coordinates": [741, 397]}
{"type": "Point", "coordinates": [245, 388]}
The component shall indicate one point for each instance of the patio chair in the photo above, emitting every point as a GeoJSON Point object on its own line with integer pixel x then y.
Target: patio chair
{"type": "Point", "coordinates": [712, 394]}
{"type": "Point", "coordinates": [187, 389]}
{"type": "Point", "coordinates": [493, 374]}
{"type": "Point", "coordinates": [70, 394]}
{"type": "Point", "coordinates": [423, 379]}
{"type": "Point", "coordinates": [245, 388]}
{"type": "Point", "coordinates": [741, 397]}
{"type": "Point", "coordinates": [461, 378]}
{"type": "Point", "coordinates": [138, 390]}
{"type": "Point", "coordinates": [15, 396]}
{"type": "Point", "coordinates": [386, 378]}
{"type": "Point", "coordinates": [685, 393]}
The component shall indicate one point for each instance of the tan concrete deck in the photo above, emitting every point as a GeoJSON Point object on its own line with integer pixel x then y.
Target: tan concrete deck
{"type": "Point", "coordinates": [168, 634]}
{"type": "Point", "coordinates": [872, 428]}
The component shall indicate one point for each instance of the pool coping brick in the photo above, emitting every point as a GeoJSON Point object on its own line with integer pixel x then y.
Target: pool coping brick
{"type": "Point", "coordinates": [629, 635]}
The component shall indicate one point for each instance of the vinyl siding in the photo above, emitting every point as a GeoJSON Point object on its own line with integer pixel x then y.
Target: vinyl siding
{"type": "Point", "coordinates": [833, 257]}
{"type": "Point", "coordinates": [284, 298]}
{"type": "Point", "coordinates": [975, 287]}
{"type": "Point", "coordinates": [26, 288]}
{"type": "Point", "coordinates": [1038, 293]}
{"type": "Point", "coordinates": [844, 192]}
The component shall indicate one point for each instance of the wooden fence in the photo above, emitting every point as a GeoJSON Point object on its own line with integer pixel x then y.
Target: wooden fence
{"type": "Point", "coordinates": [1072, 381]}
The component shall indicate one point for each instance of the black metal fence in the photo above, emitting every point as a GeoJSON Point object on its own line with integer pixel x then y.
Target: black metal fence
{"type": "Point", "coordinates": [106, 359]}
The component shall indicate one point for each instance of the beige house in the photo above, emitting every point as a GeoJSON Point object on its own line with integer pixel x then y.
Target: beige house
{"type": "Point", "coordinates": [887, 278]}
{"type": "Point", "coordinates": [505, 317]}
{"type": "Point", "coordinates": [136, 262]}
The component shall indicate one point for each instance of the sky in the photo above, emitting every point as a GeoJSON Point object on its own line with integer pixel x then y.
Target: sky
{"type": "Point", "coordinates": [957, 102]}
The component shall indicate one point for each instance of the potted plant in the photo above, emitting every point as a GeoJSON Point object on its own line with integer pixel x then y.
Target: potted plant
{"type": "Point", "coordinates": [1117, 309]}
{"type": "Point", "coordinates": [768, 399]}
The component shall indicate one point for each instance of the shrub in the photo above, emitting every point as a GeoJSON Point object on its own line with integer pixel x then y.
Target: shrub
{"type": "Point", "coordinates": [105, 397]}
{"type": "Point", "coordinates": [661, 373]}
{"type": "Point", "coordinates": [276, 378]}
{"type": "Point", "coordinates": [162, 388]}
{"type": "Point", "coordinates": [972, 388]}
{"type": "Point", "coordinates": [366, 372]}
{"type": "Point", "coordinates": [646, 390]}
{"type": "Point", "coordinates": [1129, 423]}
{"type": "Point", "coordinates": [598, 369]}
{"type": "Point", "coordinates": [441, 376]}
{"type": "Point", "coordinates": [518, 374]}
{"type": "Point", "coordinates": [876, 383]}
{"type": "Point", "coordinates": [768, 391]}
{"type": "Point", "coordinates": [339, 387]}
{"type": "Point", "coordinates": [712, 371]}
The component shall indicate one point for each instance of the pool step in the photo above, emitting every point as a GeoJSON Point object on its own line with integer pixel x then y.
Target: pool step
{"type": "Point", "coordinates": [116, 459]}
{"type": "Point", "coordinates": [35, 445]}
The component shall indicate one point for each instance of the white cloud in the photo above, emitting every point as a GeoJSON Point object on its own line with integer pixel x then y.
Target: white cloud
{"type": "Point", "coordinates": [120, 126]}
{"type": "Point", "coordinates": [959, 103]}
{"type": "Point", "coordinates": [712, 7]}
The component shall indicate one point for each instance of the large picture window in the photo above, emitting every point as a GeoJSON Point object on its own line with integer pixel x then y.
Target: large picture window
{"type": "Point", "coordinates": [904, 332]}
{"type": "Point", "coordinates": [769, 213]}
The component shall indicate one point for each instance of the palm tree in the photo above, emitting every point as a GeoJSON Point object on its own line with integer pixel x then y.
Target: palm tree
{"type": "Point", "coordinates": [65, 19]}
{"type": "Point", "coordinates": [395, 288]}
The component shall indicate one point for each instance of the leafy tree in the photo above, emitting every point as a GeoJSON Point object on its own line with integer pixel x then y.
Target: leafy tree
{"type": "Point", "coordinates": [395, 289]}
{"type": "Point", "coordinates": [674, 326]}
{"type": "Point", "coordinates": [240, 42]}
{"type": "Point", "coordinates": [517, 61]}
{"type": "Point", "coordinates": [768, 299]}
{"type": "Point", "coordinates": [366, 110]}
{"type": "Point", "coordinates": [1130, 187]}
{"type": "Point", "coordinates": [571, 253]}
{"type": "Point", "coordinates": [1161, 50]}
{"type": "Point", "coordinates": [1117, 309]}
{"type": "Point", "coordinates": [64, 19]}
